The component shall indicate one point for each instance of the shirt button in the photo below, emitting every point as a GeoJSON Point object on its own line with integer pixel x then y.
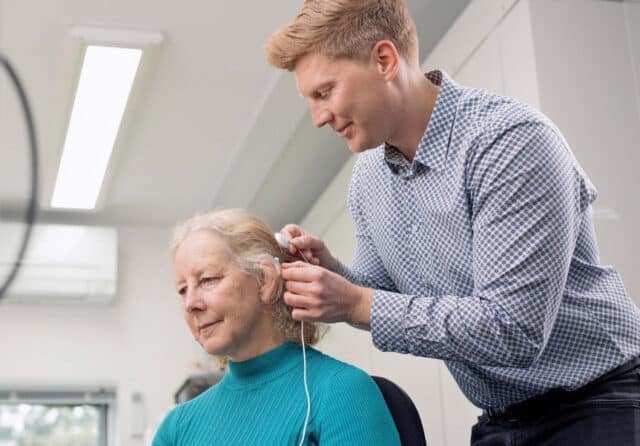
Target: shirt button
{"type": "Point", "coordinates": [414, 229]}
{"type": "Point", "coordinates": [425, 281]}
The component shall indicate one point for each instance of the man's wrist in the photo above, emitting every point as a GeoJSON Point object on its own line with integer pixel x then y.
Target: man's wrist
{"type": "Point", "coordinates": [360, 316]}
{"type": "Point", "coordinates": [338, 268]}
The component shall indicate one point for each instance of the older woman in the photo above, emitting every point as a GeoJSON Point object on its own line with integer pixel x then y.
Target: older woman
{"type": "Point", "coordinates": [227, 277]}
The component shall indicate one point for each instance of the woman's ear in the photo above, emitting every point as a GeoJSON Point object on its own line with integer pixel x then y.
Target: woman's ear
{"type": "Point", "coordinates": [270, 279]}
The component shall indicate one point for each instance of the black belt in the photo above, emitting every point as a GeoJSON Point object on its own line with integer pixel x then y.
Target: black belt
{"type": "Point", "coordinates": [541, 404]}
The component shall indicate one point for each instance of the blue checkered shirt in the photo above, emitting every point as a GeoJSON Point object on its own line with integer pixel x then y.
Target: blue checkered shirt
{"type": "Point", "coordinates": [482, 252]}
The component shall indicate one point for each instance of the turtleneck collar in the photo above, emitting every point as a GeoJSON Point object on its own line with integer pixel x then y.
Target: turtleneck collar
{"type": "Point", "coordinates": [265, 367]}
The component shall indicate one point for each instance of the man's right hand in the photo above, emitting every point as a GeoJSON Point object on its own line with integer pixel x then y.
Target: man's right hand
{"type": "Point", "coordinates": [313, 248]}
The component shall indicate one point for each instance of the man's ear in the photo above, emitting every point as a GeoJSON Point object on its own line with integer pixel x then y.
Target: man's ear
{"type": "Point", "coordinates": [386, 58]}
{"type": "Point", "coordinates": [270, 279]}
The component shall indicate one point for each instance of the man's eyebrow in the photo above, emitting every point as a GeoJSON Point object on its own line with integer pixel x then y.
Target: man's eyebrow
{"type": "Point", "coordinates": [323, 86]}
{"type": "Point", "coordinates": [315, 89]}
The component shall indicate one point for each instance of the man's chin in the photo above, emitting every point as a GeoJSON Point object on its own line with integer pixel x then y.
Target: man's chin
{"type": "Point", "coordinates": [359, 148]}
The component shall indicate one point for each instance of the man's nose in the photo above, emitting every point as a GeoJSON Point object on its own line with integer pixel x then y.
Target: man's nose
{"type": "Point", "coordinates": [320, 116]}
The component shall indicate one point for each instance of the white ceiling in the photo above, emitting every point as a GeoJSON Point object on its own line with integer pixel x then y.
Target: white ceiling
{"type": "Point", "coordinates": [209, 123]}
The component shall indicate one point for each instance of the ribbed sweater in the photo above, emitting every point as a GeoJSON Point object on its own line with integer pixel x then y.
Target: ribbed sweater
{"type": "Point", "coordinates": [262, 402]}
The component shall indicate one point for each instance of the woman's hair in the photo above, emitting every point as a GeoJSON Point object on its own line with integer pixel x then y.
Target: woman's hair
{"type": "Point", "coordinates": [249, 241]}
{"type": "Point", "coordinates": [343, 29]}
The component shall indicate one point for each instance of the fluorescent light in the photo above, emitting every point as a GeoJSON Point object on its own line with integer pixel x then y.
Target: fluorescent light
{"type": "Point", "coordinates": [103, 90]}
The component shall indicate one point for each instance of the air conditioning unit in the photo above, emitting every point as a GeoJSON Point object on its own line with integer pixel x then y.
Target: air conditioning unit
{"type": "Point", "coordinates": [62, 264]}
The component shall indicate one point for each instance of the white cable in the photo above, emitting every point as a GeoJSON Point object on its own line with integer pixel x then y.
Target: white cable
{"type": "Point", "coordinates": [306, 386]}
{"type": "Point", "coordinates": [284, 244]}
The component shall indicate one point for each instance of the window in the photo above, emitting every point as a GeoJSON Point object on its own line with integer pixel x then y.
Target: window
{"type": "Point", "coordinates": [56, 418]}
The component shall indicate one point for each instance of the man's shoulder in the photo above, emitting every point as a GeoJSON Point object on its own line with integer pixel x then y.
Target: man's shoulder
{"type": "Point", "coordinates": [488, 123]}
{"type": "Point", "coordinates": [490, 113]}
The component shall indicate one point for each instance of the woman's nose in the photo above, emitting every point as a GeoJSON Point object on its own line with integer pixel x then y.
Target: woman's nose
{"type": "Point", "coordinates": [193, 300]}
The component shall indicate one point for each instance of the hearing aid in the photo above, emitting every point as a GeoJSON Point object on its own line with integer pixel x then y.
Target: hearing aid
{"type": "Point", "coordinates": [282, 240]}
{"type": "Point", "coordinates": [276, 264]}
{"type": "Point", "coordinates": [284, 244]}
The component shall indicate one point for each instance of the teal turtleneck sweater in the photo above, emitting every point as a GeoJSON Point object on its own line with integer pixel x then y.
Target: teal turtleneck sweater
{"type": "Point", "coordinates": [262, 402]}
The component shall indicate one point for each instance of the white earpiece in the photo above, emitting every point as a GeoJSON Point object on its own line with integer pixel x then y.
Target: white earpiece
{"type": "Point", "coordinates": [276, 263]}
{"type": "Point", "coordinates": [282, 240]}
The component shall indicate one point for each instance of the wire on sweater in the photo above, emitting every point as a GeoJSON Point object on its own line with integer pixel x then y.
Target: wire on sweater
{"type": "Point", "coordinates": [284, 244]}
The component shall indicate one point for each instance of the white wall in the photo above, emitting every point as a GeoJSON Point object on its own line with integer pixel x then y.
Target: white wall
{"type": "Point", "coordinates": [138, 344]}
{"type": "Point", "coordinates": [588, 59]}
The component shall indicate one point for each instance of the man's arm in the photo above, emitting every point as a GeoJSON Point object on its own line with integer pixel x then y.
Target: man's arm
{"type": "Point", "coordinates": [526, 211]}
{"type": "Point", "coordinates": [526, 201]}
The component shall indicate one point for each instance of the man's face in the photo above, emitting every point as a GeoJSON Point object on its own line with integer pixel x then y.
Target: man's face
{"type": "Point", "coordinates": [351, 96]}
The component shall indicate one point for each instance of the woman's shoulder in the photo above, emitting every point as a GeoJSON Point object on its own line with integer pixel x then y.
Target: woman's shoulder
{"type": "Point", "coordinates": [349, 407]}
{"type": "Point", "coordinates": [333, 372]}
{"type": "Point", "coordinates": [199, 403]}
{"type": "Point", "coordinates": [181, 415]}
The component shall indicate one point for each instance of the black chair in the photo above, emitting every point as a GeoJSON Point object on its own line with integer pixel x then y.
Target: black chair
{"type": "Point", "coordinates": [403, 411]}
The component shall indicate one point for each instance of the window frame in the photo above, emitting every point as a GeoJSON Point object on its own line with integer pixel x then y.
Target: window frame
{"type": "Point", "coordinates": [103, 398]}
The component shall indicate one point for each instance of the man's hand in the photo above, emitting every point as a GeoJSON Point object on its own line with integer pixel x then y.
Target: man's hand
{"type": "Point", "coordinates": [313, 248]}
{"type": "Point", "coordinates": [320, 295]}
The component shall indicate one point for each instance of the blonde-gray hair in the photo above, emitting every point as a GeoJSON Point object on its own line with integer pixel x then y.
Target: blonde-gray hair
{"type": "Point", "coordinates": [249, 240]}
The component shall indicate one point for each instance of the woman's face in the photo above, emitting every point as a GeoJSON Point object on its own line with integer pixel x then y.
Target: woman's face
{"type": "Point", "coordinates": [222, 305]}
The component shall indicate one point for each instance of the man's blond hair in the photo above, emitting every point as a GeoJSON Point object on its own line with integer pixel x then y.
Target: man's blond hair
{"type": "Point", "coordinates": [343, 29]}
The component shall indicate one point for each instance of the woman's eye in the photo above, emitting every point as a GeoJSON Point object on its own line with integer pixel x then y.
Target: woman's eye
{"type": "Point", "coordinates": [182, 291]}
{"type": "Point", "coordinates": [207, 280]}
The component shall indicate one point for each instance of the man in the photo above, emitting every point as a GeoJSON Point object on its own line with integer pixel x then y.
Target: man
{"type": "Point", "coordinates": [475, 241]}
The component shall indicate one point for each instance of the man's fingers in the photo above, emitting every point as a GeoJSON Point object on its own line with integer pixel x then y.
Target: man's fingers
{"type": "Point", "coordinates": [302, 310]}
{"type": "Point", "coordinates": [311, 289]}
{"type": "Point", "coordinates": [300, 314]}
{"type": "Point", "coordinates": [291, 231]}
{"type": "Point", "coordinates": [295, 300]}
{"type": "Point", "coordinates": [296, 264]}
{"type": "Point", "coordinates": [301, 242]}
{"type": "Point", "coordinates": [298, 301]}
{"type": "Point", "coordinates": [306, 242]}
{"type": "Point", "coordinates": [301, 272]}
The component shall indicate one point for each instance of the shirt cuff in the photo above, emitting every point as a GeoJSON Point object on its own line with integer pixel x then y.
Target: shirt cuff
{"type": "Point", "coordinates": [346, 272]}
{"type": "Point", "coordinates": [388, 316]}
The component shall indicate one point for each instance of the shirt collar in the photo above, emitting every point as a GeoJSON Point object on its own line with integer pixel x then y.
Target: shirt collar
{"type": "Point", "coordinates": [433, 147]}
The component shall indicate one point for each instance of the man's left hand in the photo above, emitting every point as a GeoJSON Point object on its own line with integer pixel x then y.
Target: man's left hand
{"type": "Point", "coordinates": [319, 295]}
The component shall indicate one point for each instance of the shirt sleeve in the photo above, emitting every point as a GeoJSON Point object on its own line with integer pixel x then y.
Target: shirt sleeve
{"type": "Point", "coordinates": [369, 270]}
{"type": "Point", "coordinates": [353, 412]}
{"type": "Point", "coordinates": [526, 194]}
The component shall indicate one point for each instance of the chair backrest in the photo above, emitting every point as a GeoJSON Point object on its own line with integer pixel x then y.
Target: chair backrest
{"type": "Point", "coordinates": [403, 411]}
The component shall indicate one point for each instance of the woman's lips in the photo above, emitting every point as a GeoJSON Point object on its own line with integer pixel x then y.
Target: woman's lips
{"type": "Point", "coordinates": [207, 325]}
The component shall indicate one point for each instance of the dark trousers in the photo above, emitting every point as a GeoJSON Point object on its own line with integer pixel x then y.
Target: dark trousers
{"type": "Point", "coordinates": [606, 412]}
